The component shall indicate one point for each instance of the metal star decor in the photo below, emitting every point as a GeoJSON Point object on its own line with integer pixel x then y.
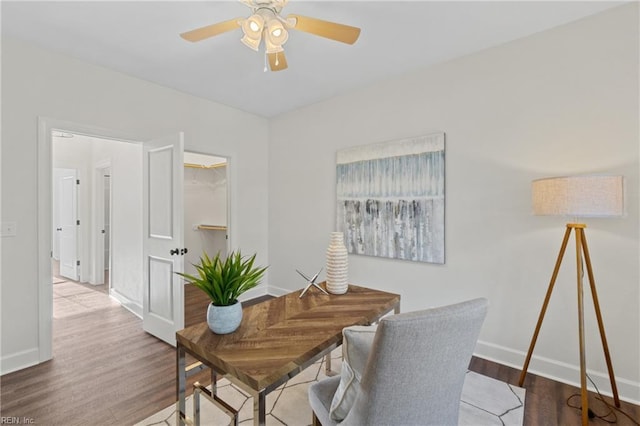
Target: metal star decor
{"type": "Point", "coordinates": [311, 282]}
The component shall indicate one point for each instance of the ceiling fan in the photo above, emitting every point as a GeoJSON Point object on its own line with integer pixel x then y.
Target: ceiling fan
{"type": "Point", "coordinates": [266, 23]}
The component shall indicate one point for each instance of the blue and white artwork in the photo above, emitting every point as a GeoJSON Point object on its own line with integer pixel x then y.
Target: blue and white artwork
{"type": "Point", "coordinates": [390, 198]}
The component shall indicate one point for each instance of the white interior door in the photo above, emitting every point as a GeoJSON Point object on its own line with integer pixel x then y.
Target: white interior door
{"type": "Point", "coordinates": [163, 298]}
{"type": "Point", "coordinates": [67, 227]}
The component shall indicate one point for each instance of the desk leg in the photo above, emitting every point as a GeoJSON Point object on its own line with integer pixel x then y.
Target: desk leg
{"type": "Point", "coordinates": [327, 365]}
{"type": "Point", "coordinates": [259, 409]}
{"type": "Point", "coordinates": [181, 386]}
{"type": "Point", "coordinates": [396, 310]}
{"type": "Point", "coordinates": [214, 382]}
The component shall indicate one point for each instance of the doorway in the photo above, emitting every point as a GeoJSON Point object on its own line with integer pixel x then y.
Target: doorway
{"type": "Point", "coordinates": [108, 241]}
{"type": "Point", "coordinates": [206, 221]}
{"type": "Point", "coordinates": [206, 207]}
{"type": "Point", "coordinates": [126, 271]}
{"type": "Point", "coordinates": [81, 213]}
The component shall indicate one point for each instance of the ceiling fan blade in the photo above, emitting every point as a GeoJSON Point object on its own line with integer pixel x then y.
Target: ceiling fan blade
{"type": "Point", "coordinates": [211, 30]}
{"type": "Point", "coordinates": [277, 61]}
{"type": "Point", "coordinates": [331, 30]}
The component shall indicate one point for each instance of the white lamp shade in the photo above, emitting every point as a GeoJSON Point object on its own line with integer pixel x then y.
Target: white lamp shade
{"type": "Point", "coordinates": [579, 196]}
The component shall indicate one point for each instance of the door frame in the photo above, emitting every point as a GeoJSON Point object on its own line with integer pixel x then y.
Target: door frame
{"type": "Point", "coordinates": [45, 219]}
{"type": "Point", "coordinates": [97, 274]}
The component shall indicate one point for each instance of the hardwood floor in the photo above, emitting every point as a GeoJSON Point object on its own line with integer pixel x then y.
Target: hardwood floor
{"type": "Point", "coordinates": [546, 400]}
{"type": "Point", "coordinates": [107, 371]}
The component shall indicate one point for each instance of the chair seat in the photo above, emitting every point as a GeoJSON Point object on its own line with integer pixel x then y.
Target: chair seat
{"type": "Point", "coordinates": [320, 396]}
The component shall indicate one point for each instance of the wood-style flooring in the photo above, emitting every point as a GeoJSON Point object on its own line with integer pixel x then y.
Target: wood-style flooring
{"type": "Point", "coordinates": [107, 371]}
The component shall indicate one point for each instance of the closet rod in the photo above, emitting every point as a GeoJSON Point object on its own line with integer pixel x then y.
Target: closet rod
{"type": "Point", "coordinates": [213, 227]}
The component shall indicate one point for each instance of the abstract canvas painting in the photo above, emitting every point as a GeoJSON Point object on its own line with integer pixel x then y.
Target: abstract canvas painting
{"type": "Point", "coordinates": [390, 198]}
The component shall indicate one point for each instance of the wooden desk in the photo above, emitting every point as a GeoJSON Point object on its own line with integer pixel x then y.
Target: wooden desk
{"type": "Point", "coordinates": [277, 340]}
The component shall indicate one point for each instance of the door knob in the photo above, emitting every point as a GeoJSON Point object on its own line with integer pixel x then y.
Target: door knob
{"type": "Point", "coordinates": [184, 250]}
{"type": "Point", "coordinates": [174, 251]}
{"type": "Point", "coordinates": [58, 229]}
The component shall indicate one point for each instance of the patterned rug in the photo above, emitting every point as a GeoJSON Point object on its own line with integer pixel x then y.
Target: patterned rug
{"type": "Point", "coordinates": [485, 401]}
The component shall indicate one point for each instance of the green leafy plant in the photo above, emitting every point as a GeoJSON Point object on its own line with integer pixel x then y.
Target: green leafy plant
{"type": "Point", "coordinates": [224, 280]}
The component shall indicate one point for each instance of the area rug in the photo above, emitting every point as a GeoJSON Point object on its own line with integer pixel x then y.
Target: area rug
{"type": "Point", "coordinates": [485, 401]}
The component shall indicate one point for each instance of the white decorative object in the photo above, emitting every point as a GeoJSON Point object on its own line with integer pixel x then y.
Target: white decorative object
{"type": "Point", "coordinates": [337, 264]}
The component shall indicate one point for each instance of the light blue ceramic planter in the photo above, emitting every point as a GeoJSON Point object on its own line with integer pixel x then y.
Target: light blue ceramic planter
{"type": "Point", "coordinates": [224, 319]}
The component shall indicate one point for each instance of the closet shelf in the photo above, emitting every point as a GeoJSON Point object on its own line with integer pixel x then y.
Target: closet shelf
{"type": "Point", "coordinates": [212, 227]}
{"type": "Point", "coordinates": [202, 166]}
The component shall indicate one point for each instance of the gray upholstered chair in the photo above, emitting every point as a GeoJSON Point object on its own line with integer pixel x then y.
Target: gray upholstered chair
{"type": "Point", "coordinates": [414, 372]}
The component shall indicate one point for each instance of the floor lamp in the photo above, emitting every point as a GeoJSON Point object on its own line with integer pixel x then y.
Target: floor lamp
{"type": "Point", "coordinates": [578, 196]}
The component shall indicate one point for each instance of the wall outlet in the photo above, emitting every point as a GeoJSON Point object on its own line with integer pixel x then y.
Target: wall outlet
{"type": "Point", "coordinates": [8, 229]}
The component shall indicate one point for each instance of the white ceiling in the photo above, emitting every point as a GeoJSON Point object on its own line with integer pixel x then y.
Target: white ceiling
{"type": "Point", "coordinates": [141, 39]}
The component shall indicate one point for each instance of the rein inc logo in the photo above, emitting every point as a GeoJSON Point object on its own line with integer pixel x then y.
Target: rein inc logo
{"type": "Point", "coordinates": [16, 420]}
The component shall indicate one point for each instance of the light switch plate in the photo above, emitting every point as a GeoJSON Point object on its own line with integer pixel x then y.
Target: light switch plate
{"type": "Point", "coordinates": [8, 229]}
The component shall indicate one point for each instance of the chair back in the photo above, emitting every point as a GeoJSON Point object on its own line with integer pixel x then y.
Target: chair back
{"type": "Point", "coordinates": [417, 366]}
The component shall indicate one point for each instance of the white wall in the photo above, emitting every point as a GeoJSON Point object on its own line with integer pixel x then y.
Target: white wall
{"type": "Point", "coordinates": [560, 102]}
{"type": "Point", "coordinates": [36, 82]}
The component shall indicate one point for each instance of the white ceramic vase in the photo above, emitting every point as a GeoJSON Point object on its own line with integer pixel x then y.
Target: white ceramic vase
{"type": "Point", "coordinates": [337, 265]}
{"type": "Point", "coordinates": [224, 319]}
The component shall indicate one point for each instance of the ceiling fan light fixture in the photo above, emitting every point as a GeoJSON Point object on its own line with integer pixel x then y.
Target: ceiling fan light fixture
{"type": "Point", "coordinates": [266, 22]}
{"type": "Point", "coordinates": [276, 32]}
{"type": "Point", "coordinates": [253, 26]}
{"type": "Point", "coordinates": [251, 43]}
{"type": "Point", "coordinates": [272, 48]}
{"type": "Point", "coordinates": [291, 21]}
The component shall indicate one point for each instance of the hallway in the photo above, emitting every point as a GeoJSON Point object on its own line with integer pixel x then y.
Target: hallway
{"type": "Point", "coordinates": [72, 298]}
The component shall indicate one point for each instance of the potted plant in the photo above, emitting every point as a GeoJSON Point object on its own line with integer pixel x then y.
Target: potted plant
{"type": "Point", "coordinates": [224, 281]}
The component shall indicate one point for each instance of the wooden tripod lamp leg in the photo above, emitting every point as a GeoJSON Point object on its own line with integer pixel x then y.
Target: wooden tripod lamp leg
{"type": "Point", "coordinates": [583, 372]}
{"type": "Point", "coordinates": [581, 250]}
{"type": "Point", "coordinates": [596, 306]}
{"type": "Point", "coordinates": [563, 247]}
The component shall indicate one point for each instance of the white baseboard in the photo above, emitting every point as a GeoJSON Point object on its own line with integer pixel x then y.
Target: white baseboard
{"type": "Point", "coordinates": [559, 371]}
{"type": "Point", "coordinates": [131, 306]}
{"type": "Point", "coordinates": [253, 293]}
{"type": "Point", "coordinates": [18, 361]}
{"type": "Point", "coordinates": [278, 291]}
